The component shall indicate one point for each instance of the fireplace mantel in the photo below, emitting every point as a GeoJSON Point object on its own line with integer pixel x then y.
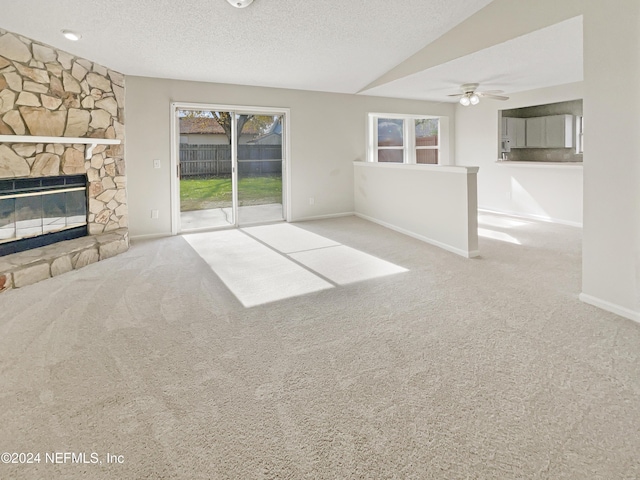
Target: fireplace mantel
{"type": "Point", "coordinates": [90, 142]}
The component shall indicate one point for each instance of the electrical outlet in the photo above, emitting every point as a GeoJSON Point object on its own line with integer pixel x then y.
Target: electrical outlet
{"type": "Point", "coordinates": [312, 200]}
{"type": "Point", "coordinates": [156, 163]}
{"type": "Point", "coordinates": [154, 214]}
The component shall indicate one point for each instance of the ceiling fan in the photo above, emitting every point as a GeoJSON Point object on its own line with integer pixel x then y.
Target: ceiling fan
{"type": "Point", "coordinates": [470, 96]}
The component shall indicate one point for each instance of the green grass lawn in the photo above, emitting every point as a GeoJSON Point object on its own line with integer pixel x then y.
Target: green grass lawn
{"type": "Point", "coordinates": [201, 194]}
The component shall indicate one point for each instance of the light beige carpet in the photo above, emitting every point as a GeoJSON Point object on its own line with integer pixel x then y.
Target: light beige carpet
{"type": "Point", "coordinates": [487, 368]}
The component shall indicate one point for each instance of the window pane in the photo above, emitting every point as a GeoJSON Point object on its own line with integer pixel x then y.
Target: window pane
{"type": "Point", "coordinates": [390, 156]}
{"type": "Point", "coordinates": [427, 132]}
{"type": "Point", "coordinates": [427, 155]}
{"type": "Point", "coordinates": [390, 132]}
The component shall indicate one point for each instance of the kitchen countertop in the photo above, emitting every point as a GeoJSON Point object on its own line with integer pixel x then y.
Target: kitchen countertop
{"type": "Point", "coordinates": [508, 163]}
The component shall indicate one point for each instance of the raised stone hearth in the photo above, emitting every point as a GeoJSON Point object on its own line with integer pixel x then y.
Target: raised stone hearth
{"type": "Point", "coordinates": [48, 92]}
{"type": "Point", "coordinates": [24, 268]}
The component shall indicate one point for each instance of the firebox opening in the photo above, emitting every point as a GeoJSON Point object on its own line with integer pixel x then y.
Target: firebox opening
{"type": "Point", "coordinates": [40, 211]}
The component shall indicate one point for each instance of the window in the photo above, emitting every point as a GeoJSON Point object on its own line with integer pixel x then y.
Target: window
{"type": "Point", "coordinates": [579, 134]}
{"type": "Point", "coordinates": [404, 139]}
{"type": "Point", "coordinates": [426, 135]}
{"type": "Point", "coordinates": [390, 140]}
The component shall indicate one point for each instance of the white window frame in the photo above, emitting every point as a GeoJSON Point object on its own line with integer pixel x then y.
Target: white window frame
{"type": "Point", "coordinates": [579, 134]}
{"type": "Point", "coordinates": [409, 137]}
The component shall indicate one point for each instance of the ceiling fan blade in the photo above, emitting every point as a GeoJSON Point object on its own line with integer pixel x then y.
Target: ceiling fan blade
{"type": "Point", "coordinates": [491, 95]}
{"type": "Point", "coordinates": [491, 91]}
{"type": "Point", "coordinates": [456, 95]}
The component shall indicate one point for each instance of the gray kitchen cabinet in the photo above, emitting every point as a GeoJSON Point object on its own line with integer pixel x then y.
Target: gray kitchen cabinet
{"type": "Point", "coordinates": [514, 131]}
{"type": "Point", "coordinates": [559, 131]}
{"type": "Point", "coordinates": [536, 132]}
{"type": "Point", "coordinates": [553, 131]}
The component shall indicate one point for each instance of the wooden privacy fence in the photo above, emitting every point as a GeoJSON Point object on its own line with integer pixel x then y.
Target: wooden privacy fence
{"type": "Point", "coordinates": [214, 160]}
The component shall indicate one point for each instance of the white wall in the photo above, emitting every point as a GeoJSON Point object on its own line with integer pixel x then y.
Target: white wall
{"type": "Point", "coordinates": [611, 237]}
{"type": "Point", "coordinates": [328, 133]}
{"type": "Point", "coordinates": [553, 193]}
{"type": "Point", "coordinates": [611, 171]}
{"type": "Point", "coordinates": [436, 204]}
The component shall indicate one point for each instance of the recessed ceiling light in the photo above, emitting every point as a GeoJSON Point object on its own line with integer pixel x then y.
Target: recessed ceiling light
{"type": "Point", "coordinates": [240, 3]}
{"type": "Point", "coordinates": [73, 36]}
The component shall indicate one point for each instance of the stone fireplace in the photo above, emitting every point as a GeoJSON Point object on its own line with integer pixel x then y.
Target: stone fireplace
{"type": "Point", "coordinates": [61, 120]}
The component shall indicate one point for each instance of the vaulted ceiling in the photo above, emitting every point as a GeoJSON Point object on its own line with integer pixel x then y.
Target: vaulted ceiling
{"type": "Point", "coordinates": [374, 47]}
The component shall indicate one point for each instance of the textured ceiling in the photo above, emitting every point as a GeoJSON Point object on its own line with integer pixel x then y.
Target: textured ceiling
{"type": "Point", "coordinates": [327, 45]}
{"type": "Point", "coordinates": [543, 58]}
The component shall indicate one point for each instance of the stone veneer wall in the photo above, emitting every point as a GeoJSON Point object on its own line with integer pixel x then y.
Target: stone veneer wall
{"type": "Point", "coordinates": [48, 92]}
{"type": "Point", "coordinates": [44, 91]}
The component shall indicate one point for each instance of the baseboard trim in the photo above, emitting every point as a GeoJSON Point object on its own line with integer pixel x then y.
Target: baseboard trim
{"type": "Point", "coordinates": [207, 229]}
{"type": "Point", "coordinates": [149, 236]}
{"type": "Point", "coordinates": [323, 217]}
{"type": "Point", "coordinates": [435, 243]}
{"type": "Point", "coordinates": [610, 307]}
{"type": "Point", "coordinates": [531, 217]}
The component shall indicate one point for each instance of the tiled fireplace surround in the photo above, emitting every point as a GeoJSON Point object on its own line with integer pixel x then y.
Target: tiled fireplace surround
{"type": "Point", "coordinates": [48, 92]}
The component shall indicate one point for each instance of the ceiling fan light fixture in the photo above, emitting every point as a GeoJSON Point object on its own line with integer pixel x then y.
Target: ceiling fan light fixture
{"type": "Point", "coordinates": [471, 96]}
{"type": "Point", "coordinates": [240, 3]}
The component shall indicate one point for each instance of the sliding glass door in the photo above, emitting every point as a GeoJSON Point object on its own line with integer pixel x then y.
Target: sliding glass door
{"type": "Point", "coordinates": [259, 160]}
{"type": "Point", "coordinates": [229, 166]}
{"type": "Point", "coordinates": [205, 169]}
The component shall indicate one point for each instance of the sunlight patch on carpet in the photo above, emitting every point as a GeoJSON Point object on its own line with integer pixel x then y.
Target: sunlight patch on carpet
{"type": "Point", "coordinates": [252, 271]}
{"type": "Point", "coordinates": [501, 222]}
{"type": "Point", "coordinates": [287, 238]}
{"type": "Point", "coordinates": [494, 234]}
{"type": "Point", "coordinates": [344, 265]}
